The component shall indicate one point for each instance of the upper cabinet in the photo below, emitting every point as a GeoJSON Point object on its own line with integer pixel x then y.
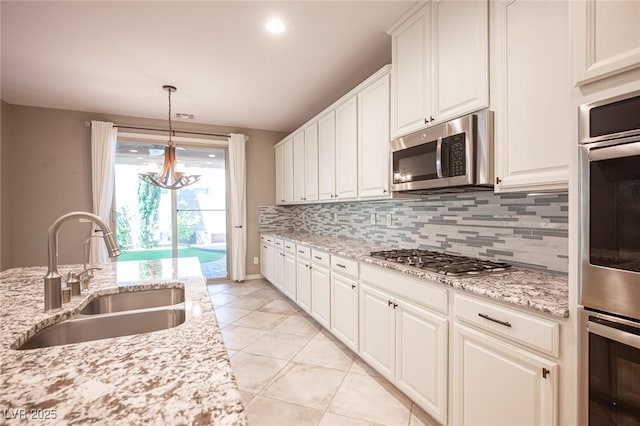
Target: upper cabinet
{"type": "Point", "coordinates": [299, 162]}
{"type": "Point", "coordinates": [327, 156]}
{"type": "Point", "coordinates": [440, 64]}
{"type": "Point", "coordinates": [347, 150]}
{"type": "Point", "coordinates": [311, 162]}
{"type": "Point", "coordinates": [287, 175]}
{"type": "Point", "coordinates": [280, 174]}
{"type": "Point", "coordinates": [606, 38]}
{"type": "Point", "coordinates": [530, 80]}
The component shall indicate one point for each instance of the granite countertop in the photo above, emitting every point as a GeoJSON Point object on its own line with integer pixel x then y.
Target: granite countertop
{"type": "Point", "coordinates": [180, 375]}
{"type": "Point", "coordinates": [539, 291]}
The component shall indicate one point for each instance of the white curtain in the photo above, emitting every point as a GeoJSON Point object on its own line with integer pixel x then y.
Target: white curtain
{"type": "Point", "coordinates": [103, 158]}
{"type": "Point", "coordinates": [237, 166]}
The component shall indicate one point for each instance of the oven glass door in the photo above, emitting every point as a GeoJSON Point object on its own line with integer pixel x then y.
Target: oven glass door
{"type": "Point", "coordinates": [614, 211]}
{"type": "Point", "coordinates": [614, 373]}
{"type": "Point", "coordinates": [418, 163]}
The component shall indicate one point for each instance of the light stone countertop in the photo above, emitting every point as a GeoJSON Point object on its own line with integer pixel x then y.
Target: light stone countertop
{"type": "Point", "coordinates": [539, 291]}
{"type": "Point", "coordinates": [181, 375]}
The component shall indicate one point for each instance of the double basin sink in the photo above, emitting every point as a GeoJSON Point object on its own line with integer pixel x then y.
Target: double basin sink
{"type": "Point", "coordinates": [115, 315]}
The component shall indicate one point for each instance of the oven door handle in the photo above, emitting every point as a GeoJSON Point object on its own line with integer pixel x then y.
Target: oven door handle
{"type": "Point", "coordinates": [614, 334]}
{"type": "Point", "coordinates": [617, 151]}
{"type": "Point", "coordinates": [439, 158]}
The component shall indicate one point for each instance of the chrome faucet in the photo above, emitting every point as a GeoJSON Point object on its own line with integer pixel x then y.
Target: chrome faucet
{"type": "Point", "coordinates": [53, 279]}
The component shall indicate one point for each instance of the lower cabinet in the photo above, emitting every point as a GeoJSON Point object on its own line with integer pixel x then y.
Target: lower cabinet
{"type": "Point", "coordinates": [321, 295]}
{"type": "Point", "coordinates": [344, 310]}
{"type": "Point", "coordinates": [303, 283]}
{"type": "Point", "coordinates": [496, 383]}
{"type": "Point", "coordinates": [408, 345]}
{"type": "Point", "coordinates": [278, 273]}
{"type": "Point", "coordinates": [267, 256]}
{"type": "Point", "coordinates": [290, 279]}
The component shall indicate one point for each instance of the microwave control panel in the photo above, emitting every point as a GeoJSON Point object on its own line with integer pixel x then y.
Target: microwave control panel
{"type": "Point", "coordinates": [456, 149]}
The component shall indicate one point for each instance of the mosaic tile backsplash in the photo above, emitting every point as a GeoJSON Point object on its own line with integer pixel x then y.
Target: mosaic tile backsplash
{"type": "Point", "coordinates": [524, 230]}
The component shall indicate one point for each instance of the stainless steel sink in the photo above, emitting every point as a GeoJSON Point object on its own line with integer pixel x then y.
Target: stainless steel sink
{"type": "Point", "coordinates": [134, 300]}
{"type": "Point", "coordinates": [95, 327]}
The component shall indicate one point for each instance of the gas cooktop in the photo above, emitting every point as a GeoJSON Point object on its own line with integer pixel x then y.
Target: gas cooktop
{"type": "Point", "coordinates": [441, 263]}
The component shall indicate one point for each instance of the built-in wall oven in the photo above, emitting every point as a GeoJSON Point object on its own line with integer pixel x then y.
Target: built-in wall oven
{"type": "Point", "coordinates": [610, 261]}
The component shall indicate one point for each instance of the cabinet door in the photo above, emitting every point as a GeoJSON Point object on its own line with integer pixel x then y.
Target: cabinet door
{"type": "Point", "coordinates": [373, 140]}
{"type": "Point", "coordinates": [311, 162]}
{"type": "Point", "coordinates": [347, 150]}
{"type": "Point", "coordinates": [280, 174]}
{"type": "Point", "coordinates": [278, 273]}
{"type": "Point", "coordinates": [377, 330]}
{"type": "Point", "coordinates": [606, 38]}
{"type": "Point", "coordinates": [263, 260]}
{"type": "Point", "coordinates": [321, 295]}
{"type": "Point", "coordinates": [327, 156]}
{"type": "Point", "coordinates": [530, 86]}
{"type": "Point", "coordinates": [460, 57]}
{"type": "Point", "coordinates": [287, 153]}
{"type": "Point", "coordinates": [269, 264]}
{"type": "Point", "coordinates": [344, 310]}
{"type": "Point", "coordinates": [495, 383]}
{"type": "Point", "coordinates": [410, 77]}
{"type": "Point", "coordinates": [290, 281]}
{"type": "Point", "coordinates": [298, 167]}
{"type": "Point", "coordinates": [303, 283]}
{"type": "Point", "coordinates": [421, 364]}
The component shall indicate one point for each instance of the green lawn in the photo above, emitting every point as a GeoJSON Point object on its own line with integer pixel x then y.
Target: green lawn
{"type": "Point", "coordinates": [205, 256]}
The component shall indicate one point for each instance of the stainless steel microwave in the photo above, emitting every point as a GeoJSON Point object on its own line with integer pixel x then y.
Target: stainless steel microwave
{"type": "Point", "coordinates": [452, 156]}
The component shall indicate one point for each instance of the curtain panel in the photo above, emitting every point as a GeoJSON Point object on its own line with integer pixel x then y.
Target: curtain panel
{"type": "Point", "coordinates": [104, 137]}
{"type": "Point", "coordinates": [237, 172]}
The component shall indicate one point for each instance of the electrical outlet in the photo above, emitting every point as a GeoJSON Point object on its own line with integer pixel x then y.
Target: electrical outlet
{"type": "Point", "coordinates": [389, 219]}
{"type": "Point", "coordinates": [255, 260]}
{"type": "Point", "coordinates": [373, 218]}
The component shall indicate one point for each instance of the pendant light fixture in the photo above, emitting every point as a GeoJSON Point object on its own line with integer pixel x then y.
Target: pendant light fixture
{"type": "Point", "coordinates": [169, 177]}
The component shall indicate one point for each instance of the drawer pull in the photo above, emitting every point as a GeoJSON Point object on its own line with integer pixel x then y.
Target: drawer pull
{"type": "Point", "coordinates": [340, 265]}
{"type": "Point", "coordinates": [317, 257]}
{"type": "Point", "coordinates": [288, 246]}
{"type": "Point", "coordinates": [301, 251]}
{"type": "Point", "coordinates": [487, 317]}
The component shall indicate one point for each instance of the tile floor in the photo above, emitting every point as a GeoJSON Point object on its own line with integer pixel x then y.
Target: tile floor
{"type": "Point", "coordinates": [291, 371]}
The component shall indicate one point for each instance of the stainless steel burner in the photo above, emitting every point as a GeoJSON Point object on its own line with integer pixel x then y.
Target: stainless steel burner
{"type": "Point", "coordinates": [441, 263]}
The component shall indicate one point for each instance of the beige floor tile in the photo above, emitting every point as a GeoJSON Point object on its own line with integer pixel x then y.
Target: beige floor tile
{"type": "Point", "coordinates": [261, 283]}
{"type": "Point", "coordinates": [246, 397]}
{"type": "Point", "coordinates": [421, 418]}
{"type": "Point", "coordinates": [218, 287]}
{"type": "Point", "coordinates": [326, 352]}
{"type": "Point", "coordinates": [231, 352]}
{"type": "Point", "coordinates": [253, 372]}
{"type": "Point", "coordinates": [330, 419]}
{"type": "Point", "coordinates": [372, 399]}
{"type": "Point", "coordinates": [268, 293]}
{"type": "Point", "coordinates": [361, 367]}
{"type": "Point", "coordinates": [249, 302]}
{"type": "Point", "coordinates": [238, 337]}
{"type": "Point", "coordinates": [263, 411]}
{"type": "Point", "coordinates": [300, 325]}
{"type": "Point", "coordinates": [261, 320]}
{"type": "Point", "coordinates": [305, 384]}
{"type": "Point", "coordinates": [228, 315]}
{"type": "Point", "coordinates": [239, 290]}
{"type": "Point", "coordinates": [281, 307]}
{"type": "Point", "coordinates": [277, 345]}
{"type": "Point", "coordinates": [221, 299]}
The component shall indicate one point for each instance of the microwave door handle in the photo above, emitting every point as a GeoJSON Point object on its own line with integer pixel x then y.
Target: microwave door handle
{"type": "Point", "coordinates": [439, 158]}
{"type": "Point", "coordinates": [614, 334]}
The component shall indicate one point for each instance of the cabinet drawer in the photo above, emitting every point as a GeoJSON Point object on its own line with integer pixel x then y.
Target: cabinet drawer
{"type": "Point", "coordinates": [268, 239]}
{"type": "Point", "coordinates": [303, 251]}
{"type": "Point", "coordinates": [528, 330]}
{"type": "Point", "coordinates": [278, 243]}
{"type": "Point", "coordinates": [320, 258]}
{"type": "Point", "coordinates": [343, 266]}
{"type": "Point", "coordinates": [290, 247]}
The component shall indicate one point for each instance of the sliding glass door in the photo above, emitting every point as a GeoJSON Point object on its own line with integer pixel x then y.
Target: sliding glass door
{"type": "Point", "coordinates": [155, 223]}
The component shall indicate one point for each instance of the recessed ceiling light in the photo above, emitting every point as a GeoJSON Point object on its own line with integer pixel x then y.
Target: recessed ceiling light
{"type": "Point", "coordinates": [133, 150]}
{"type": "Point", "coordinates": [275, 26]}
{"type": "Point", "coordinates": [212, 155]}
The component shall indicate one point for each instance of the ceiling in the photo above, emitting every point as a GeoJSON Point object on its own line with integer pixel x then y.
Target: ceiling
{"type": "Point", "coordinates": [113, 57]}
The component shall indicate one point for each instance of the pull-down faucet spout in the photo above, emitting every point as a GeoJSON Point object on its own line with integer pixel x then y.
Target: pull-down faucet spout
{"type": "Point", "coordinates": [53, 279]}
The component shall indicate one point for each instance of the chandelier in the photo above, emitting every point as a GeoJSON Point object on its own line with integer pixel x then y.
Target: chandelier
{"type": "Point", "coordinates": [169, 177]}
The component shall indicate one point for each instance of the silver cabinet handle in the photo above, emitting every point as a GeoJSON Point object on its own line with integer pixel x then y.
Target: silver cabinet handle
{"type": "Point", "coordinates": [487, 317]}
{"type": "Point", "coordinates": [340, 265]}
{"type": "Point", "coordinates": [317, 257]}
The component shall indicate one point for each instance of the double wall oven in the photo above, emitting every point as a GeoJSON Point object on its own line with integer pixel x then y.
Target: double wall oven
{"type": "Point", "coordinates": [610, 261]}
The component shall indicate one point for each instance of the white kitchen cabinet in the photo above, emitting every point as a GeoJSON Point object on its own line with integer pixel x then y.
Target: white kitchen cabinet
{"type": "Point", "coordinates": [377, 330]}
{"type": "Point", "coordinates": [373, 139]}
{"type": "Point", "coordinates": [290, 280]}
{"type": "Point", "coordinates": [311, 162]}
{"type": "Point", "coordinates": [321, 288]}
{"type": "Point", "coordinates": [278, 264]}
{"type": "Point", "coordinates": [347, 150]}
{"type": "Point", "coordinates": [299, 171]}
{"type": "Point", "coordinates": [303, 278]}
{"type": "Point", "coordinates": [344, 301]}
{"type": "Point", "coordinates": [496, 383]}
{"type": "Point", "coordinates": [606, 38]}
{"type": "Point", "coordinates": [280, 174]}
{"type": "Point", "coordinates": [267, 256]}
{"type": "Point", "coordinates": [440, 64]}
{"type": "Point", "coordinates": [530, 81]}
{"type": "Point", "coordinates": [287, 153]}
{"type": "Point", "coordinates": [327, 157]}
